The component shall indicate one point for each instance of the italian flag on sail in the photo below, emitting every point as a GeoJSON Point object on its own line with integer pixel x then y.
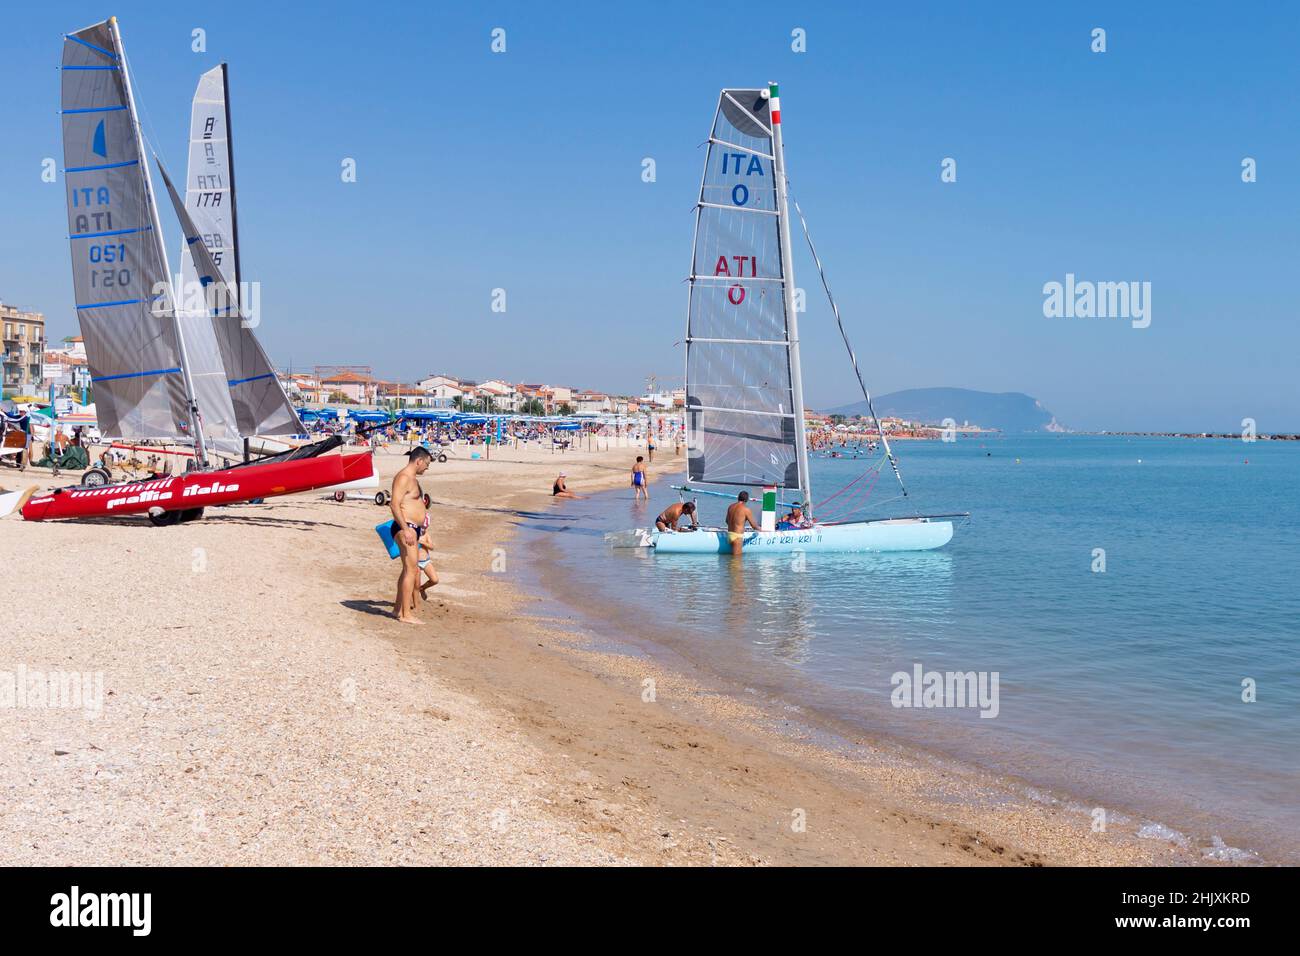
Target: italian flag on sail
{"type": "Point", "coordinates": [775, 107]}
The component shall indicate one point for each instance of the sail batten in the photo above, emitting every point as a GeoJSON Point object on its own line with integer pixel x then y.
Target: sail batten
{"type": "Point", "coordinates": [742, 413]}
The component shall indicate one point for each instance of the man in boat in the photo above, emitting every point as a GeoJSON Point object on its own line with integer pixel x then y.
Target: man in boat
{"type": "Point", "coordinates": [738, 516]}
{"type": "Point", "coordinates": [795, 520]}
{"type": "Point", "coordinates": [410, 522]}
{"type": "Point", "coordinates": [667, 520]}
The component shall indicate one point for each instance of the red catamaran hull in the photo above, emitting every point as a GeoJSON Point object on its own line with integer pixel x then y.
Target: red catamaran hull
{"type": "Point", "coordinates": [200, 489]}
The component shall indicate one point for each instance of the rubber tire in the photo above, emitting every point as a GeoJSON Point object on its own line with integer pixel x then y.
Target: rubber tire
{"type": "Point", "coordinates": [95, 478]}
{"type": "Point", "coordinates": [381, 498]}
{"type": "Point", "coordinates": [427, 500]}
{"type": "Point", "coordinates": [166, 519]}
{"type": "Point", "coordinates": [442, 459]}
{"type": "Point", "coordinates": [191, 514]}
{"type": "Point", "coordinates": [340, 496]}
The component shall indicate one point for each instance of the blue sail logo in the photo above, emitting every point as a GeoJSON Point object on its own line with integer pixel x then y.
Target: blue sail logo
{"type": "Point", "coordinates": [99, 147]}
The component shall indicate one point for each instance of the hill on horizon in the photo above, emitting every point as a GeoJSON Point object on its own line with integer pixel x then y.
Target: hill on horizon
{"type": "Point", "coordinates": [1007, 411]}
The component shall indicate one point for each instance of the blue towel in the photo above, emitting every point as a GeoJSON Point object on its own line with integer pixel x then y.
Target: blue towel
{"type": "Point", "coordinates": [385, 532]}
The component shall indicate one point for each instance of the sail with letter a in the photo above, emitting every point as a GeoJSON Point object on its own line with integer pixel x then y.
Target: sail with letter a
{"type": "Point", "coordinates": [119, 271]}
{"type": "Point", "coordinates": [259, 401]}
{"type": "Point", "coordinates": [743, 407]}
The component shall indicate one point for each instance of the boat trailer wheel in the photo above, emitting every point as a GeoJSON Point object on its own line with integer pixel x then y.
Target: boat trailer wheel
{"type": "Point", "coordinates": [95, 478]}
{"type": "Point", "coordinates": [381, 498]}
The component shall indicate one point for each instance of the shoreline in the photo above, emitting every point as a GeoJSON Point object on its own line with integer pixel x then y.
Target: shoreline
{"type": "Point", "coordinates": [784, 713]}
{"type": "Point", "coordinates": [261, 708]}
{"type": "Point", "coordinates": [887, 786]}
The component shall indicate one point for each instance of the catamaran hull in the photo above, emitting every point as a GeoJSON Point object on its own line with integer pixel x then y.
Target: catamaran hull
{"type": "Point", "coordinates": [901, 535]}
{"type": "Point", "coordinates": [201, 489]}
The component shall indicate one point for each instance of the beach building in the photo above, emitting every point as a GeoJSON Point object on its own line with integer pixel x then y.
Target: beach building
{"type": "Point", "coordinates": [433, 381]}
{"type": "Point", "coordinates": [403, 396]}
{"type": "Point", "coordinates": [443, 395]}
{"type": "Point", "coordinates": [554, 397]}
{"type": "Point", "coordinates": [588, 402]}
{"type": "Point", "coordinates": [24, 347]}
{"type": "Point", "coordinates": [353, 387]}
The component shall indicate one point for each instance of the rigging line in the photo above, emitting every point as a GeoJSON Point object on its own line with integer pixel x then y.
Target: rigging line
{"type": "Point", "coordinates": [825, 501]}
{"type": "Point", "coordinates": [893, 462]}
{"type": "Point", "coordinates": [849, 508]}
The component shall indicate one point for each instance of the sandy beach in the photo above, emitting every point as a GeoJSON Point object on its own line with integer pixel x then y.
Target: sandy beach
{"type": "Point", "coordinates": [260, 707]}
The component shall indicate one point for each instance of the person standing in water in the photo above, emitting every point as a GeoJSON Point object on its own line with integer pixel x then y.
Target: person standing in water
{"type": "Point", "coordinates": [639, 479]}
{"type": "Point", "coordinates": [738, 516]}
{"type": "Point", "coordinates": [410, 522]}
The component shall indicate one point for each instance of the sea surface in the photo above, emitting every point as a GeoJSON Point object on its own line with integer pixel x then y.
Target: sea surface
{"type": "Point", "coordinates": [1121, 688]}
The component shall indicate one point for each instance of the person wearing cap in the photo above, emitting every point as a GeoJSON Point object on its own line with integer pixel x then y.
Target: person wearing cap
{"type": "Point", "coordinates": [796, 519]}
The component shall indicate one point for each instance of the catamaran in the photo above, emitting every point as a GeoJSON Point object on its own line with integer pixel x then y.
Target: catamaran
{"type": "Point", "coordinates": [744, 388]}
{"type": "Point", "coordinates": [187, 372]}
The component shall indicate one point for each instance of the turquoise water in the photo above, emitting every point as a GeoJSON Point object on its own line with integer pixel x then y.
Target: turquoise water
{"type": "Point", "coordinates": [1121, 688]}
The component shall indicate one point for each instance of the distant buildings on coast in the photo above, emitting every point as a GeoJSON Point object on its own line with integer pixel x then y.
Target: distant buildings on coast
{"type": "Point", "coordinates": [356, 385]}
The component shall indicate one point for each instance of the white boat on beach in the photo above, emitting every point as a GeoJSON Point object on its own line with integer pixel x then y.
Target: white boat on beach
{"type": "Point", "coordinates": [744, 389]}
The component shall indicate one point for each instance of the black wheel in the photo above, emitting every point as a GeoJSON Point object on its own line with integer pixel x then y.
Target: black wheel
{"type": "Point", "coordinates": [381, 498]}
{"type": "Point", "coordinates": [95, 478]}
{"type": "Point", "coordinates": [165, 519]}
{"type": "Point", "coordinates": [442, 458]}
{"type": "Point", "coordinates": [191, 514]}
{"type": "Point", "coordinates": [427, 500]}
{"type": "Point", "coordinates": [340, 496]}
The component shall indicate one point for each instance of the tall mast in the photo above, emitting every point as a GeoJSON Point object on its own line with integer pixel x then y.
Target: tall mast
{"type": "Point", "coordinates": [787, 288]}
{"type": "Point", "coordinates": [230, 173]}
{"type": "Point", "coordinates": [196, 420]}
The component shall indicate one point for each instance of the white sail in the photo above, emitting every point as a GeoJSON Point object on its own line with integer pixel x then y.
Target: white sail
{"type": "Point", "coordinates": [744, 409]}
{"type": "Point", "coordinates": [259, 404]}
{"type": "Point", "coordinates": [119, 271]}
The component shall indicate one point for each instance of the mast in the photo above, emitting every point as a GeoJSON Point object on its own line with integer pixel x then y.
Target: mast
{"type": "Point", "coordinates": [787, 291]}
{"type": "Point", "coordinates": [196, 421]}
{"type": "Point", "coordinates": [230, 174]}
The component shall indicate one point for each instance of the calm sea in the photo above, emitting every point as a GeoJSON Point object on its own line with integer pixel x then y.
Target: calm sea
{"type": "Point", "coordinates": [1121, 687]}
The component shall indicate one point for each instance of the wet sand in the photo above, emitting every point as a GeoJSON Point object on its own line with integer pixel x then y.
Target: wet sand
{"type": "Point", "coordinates": [260, 707]}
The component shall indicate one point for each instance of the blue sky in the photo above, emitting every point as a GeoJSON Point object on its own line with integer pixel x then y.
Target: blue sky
{"type": "Point", "coordinates": [522, 171]}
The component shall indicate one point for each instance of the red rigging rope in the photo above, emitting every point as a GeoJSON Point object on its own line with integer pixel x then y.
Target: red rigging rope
{"type": "Point", "coordinates": [849, 507]}
{"type": "Point", "coordinates": [825, 501]}
{"type": "Point", "coordinates": [893, 462]}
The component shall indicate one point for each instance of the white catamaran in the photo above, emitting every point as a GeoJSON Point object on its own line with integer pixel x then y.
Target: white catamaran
{"type": "Point", "coordinates": [744, 392]}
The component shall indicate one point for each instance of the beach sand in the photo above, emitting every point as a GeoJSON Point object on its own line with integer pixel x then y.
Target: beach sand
{"type": "Point", "coordinates": [260, 707]}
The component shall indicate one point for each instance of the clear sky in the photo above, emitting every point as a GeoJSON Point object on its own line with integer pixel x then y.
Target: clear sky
{"type": "Point", "coordinates": [523, 171]}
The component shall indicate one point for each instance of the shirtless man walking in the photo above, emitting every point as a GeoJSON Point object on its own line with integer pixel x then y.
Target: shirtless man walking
{"type": "Point", "coordinates": [410, 522]}
{"type": "Point", "coordinates": [739, 515]}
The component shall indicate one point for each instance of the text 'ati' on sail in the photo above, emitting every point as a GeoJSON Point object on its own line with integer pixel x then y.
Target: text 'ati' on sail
{"type": "Point", "coordinates": [740, 401]}
{"type": "Point", "coordinates": [118, 266]}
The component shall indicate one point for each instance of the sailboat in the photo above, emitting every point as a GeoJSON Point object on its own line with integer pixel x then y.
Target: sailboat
{"type": "Point", "coordinates": [744, 389]}
{"type": "Point", "coordinates": [163, 369]}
